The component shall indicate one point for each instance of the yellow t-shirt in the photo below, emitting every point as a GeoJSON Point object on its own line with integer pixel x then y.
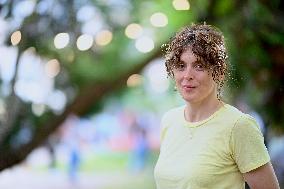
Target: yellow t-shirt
{"type": "Point", "coordinates": [209, 154]}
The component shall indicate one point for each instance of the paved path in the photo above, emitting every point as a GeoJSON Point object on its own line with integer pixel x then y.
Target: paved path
{"type": "Point", "coordinates": [25, 178]}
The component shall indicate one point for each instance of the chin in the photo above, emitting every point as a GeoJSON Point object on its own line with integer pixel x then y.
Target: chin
{"type": "Point", "coordinates": [190, 98]}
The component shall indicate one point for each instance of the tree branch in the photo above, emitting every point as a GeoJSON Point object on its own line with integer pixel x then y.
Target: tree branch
{"type": "Point", "coordinates": [13, 105]}
{"type": "Point", "coordinates": [89, 96]}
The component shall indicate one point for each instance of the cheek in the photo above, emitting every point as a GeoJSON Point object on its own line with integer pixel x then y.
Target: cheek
{"type": "Point", "coordinates": [208, 83]}
{"type": "Point", "coordinates": [211, 85]}
{"type": "Point", "coordinates": [177, 78]}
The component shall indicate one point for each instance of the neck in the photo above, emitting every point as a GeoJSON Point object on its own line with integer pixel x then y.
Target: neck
{"type": "Point", "coordinates": [199, 111]}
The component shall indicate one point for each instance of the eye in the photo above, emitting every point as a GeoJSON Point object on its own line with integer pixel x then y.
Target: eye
{"type": "Point", "coordinates": [180, 66]}
{"type": "Point", "coordinates": [199, 67]}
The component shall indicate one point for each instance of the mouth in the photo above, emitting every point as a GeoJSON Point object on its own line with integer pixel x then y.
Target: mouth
{"type": "Point", "coordinates": [188, 87]}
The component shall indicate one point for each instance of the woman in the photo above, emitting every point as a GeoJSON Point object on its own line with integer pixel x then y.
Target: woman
{"type": "Point", "coordinates": [207, 144]}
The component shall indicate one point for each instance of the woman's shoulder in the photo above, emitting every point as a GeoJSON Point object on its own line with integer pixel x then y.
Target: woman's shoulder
{"type": "Point", "coordinates": [175, 110]}
{"type": "Point", "coordinates": [232, 115]}
{"type": "Point", "coordinates": [239, 117]}
{"type": "Point", "coordinates": [233, 112]}
{"type": "Point", "coordinates": [173, 113]}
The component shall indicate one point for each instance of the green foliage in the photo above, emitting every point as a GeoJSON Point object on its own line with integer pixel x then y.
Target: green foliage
{"type": "Point", "coordinates": [223, 7]}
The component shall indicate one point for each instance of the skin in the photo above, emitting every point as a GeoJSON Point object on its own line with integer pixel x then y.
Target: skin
{"type": "Point", "coordinates": [198, 89]}
{"type": "Point", "coordinates": [262, 178]}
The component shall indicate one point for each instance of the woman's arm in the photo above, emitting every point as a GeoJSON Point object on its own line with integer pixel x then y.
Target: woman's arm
{"type": "Point", "coordinates": [262, 178]}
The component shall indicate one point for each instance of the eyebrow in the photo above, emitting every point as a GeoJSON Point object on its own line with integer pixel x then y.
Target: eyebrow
{"type": "Point", "coordinates": [198, 62]}
{"type": "Point", "coordinates": [195, 62]}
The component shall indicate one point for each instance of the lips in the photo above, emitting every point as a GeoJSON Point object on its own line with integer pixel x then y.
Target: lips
{"type": "Point", "coordinates": [188, 88]}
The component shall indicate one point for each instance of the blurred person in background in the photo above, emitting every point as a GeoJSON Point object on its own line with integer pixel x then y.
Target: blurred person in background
{"type": "Point", "coordinates": [50, 144]}
{"type": "Point", "coordinates": [71, 139]}
{"type": "Point", "coordinates": [140, 149]}
{"type": "Point", "coordinates": [207, 143]}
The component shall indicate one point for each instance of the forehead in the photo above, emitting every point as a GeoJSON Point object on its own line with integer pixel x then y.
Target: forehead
{"type": "Point", "coordinates": [188, 56]}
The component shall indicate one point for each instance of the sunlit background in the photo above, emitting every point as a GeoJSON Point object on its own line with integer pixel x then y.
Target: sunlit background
{"type": "Point", "coordinates": [83, 85]}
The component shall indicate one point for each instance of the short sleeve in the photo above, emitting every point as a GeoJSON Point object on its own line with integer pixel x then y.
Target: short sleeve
{"type": "Point", "coordinates": [247, 145]}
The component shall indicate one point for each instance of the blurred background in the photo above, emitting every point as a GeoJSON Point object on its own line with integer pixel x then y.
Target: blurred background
{"type": "Point", "coordinates": [83, 85]}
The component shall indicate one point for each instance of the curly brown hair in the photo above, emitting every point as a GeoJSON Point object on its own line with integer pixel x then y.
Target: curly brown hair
{"type": "Point", "coordinates": [207, 44]}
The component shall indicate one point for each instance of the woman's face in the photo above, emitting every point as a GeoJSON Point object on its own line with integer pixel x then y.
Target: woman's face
{"type": "Point", "coordinates": [194, 82]}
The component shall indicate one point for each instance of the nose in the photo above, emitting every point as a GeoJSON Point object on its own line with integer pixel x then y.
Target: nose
{"type": "Point", "coordinates": [189, 73]}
